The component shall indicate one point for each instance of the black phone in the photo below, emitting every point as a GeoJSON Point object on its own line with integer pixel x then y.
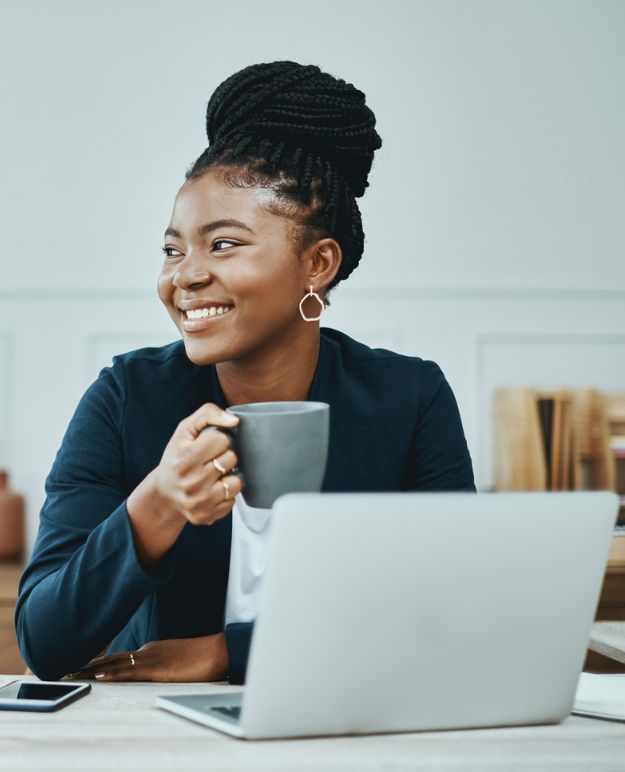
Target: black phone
{"type": "Point", "coordinates": [40, 695]}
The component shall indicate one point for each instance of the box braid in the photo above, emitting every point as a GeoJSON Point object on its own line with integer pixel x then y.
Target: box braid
{"type": "Point", "coordinates": [306, 135]}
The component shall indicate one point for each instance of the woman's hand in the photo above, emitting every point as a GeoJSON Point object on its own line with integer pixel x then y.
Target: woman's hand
{"type": "Point", "coordinates": [188, 479]}
{"type": "Point", "coordinates": [180, 659]}
{"type": "Point", "coordinates": [188, 485]}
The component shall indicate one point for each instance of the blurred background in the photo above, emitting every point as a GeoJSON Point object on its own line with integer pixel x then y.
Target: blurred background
{"type": "Point", "coordinates": [494, 220]}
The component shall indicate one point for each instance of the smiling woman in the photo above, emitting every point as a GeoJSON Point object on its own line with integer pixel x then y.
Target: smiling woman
{"type": "Point", "coordinates": [227, 248]}
{"type": "Point", "coordinates": [265, 225]}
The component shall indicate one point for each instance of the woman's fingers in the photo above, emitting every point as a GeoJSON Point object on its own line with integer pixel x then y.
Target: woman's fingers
{"type": "Point", "coordinates": [209, 476]}
{"type": "Point", "coordinates": [184, 456]}
{"type": "Point", "coordinates": [208, 414]}
{"type": "Point", "coordinates": [211, 443]}
{"type": "Point", "coordinates": [190, 447]}
{"type": "Point", "coordinates": [118, 666]}
{"type": "Point", "coordinates": [227, 461]}
{"type": "Point", "coordinates": [122, 672]}
{"type": "Point", "coordinates": [206, 501]}
{"type": "Point", "coordinates": [225, 489]}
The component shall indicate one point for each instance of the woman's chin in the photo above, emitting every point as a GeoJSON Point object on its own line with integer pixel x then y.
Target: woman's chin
{"type": "Point", "coordinates": [203, 353]}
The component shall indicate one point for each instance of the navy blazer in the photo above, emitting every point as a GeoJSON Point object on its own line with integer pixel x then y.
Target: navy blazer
{"type": "Point", "coordinates": [394, 426]}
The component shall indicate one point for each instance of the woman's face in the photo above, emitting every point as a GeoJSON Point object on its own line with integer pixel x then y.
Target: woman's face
{"type": "Point", "coordinates": [225, 251]}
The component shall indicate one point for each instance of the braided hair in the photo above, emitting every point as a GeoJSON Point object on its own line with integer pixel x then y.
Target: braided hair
{"type": "Point", "coordinates": [304, 134]}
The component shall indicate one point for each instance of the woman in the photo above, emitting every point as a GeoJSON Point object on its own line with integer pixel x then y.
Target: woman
{"type": "Point", "coordinates": [265, 225]}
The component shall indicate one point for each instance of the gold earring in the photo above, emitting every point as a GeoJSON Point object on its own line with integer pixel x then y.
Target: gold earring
{"type": "Point", "coordinates": [311, 294]}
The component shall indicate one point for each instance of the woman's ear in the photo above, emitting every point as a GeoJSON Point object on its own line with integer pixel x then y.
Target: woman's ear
{"type": "Point", "coordinates": [324, 262]}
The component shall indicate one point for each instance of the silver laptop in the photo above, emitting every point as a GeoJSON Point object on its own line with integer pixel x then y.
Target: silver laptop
{"type": "Point", "coordinates": [393, 612]}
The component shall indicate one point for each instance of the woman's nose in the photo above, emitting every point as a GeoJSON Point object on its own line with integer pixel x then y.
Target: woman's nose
{"type": "Point", "coordinates": [192, 272]}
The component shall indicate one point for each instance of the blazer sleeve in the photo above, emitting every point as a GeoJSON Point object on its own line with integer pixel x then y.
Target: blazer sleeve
{"type": "Point", "coordinates": [438, 459]}
{"type": "Point", "coordinates": [84, 580]}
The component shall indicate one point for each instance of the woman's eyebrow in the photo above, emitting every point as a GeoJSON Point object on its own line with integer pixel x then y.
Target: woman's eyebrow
{"type": "Point", "coordinates": [211, 226]}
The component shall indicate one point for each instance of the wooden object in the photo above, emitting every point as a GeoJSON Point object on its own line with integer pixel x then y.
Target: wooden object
{"type": "Point", "coordinates": [592, 441]}
{"type": "Point", "coordinates": [10, 658]}
{"type": "Point", "coordinates": [519, 456]}
{"type": "Point", "coordinates": [617, 553]}
{"type": "Point", "coordinates": [11, 520]}
{"type": "Point", "coordinates": [611, 606]}
{"type": "Point", "coordinates": [118, 727]}
{"type": "Point", "coordinates": [615, 410]}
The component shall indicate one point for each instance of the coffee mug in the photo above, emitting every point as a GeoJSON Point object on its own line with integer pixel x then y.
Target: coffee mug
{"type": "Point", "coordinates": [282, 447]}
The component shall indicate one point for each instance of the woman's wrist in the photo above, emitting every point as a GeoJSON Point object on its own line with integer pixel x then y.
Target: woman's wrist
{"type": "Point", "coordinates": [218, 657]}
{"type": "Point", "coordinates": [155, 525]}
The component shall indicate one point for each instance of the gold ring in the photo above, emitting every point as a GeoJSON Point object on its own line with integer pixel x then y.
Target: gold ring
{"type": "Point", "coordinates": [132, 660]}
{"type": "Point", "coordinates": [226, 490]}
{"type": "Point", "coordinates": [218, 466]}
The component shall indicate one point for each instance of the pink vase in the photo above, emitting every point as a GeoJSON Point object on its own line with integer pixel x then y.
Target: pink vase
{"type": "Point", "coordinates": [11, 521]}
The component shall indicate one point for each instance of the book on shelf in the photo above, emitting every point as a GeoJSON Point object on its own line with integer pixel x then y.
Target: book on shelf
{"type": "Point", "coordinates": [556, 440]}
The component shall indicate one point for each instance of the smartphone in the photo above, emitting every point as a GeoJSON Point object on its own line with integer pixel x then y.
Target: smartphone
{"type": "Point", "coordinates": [40, 695]}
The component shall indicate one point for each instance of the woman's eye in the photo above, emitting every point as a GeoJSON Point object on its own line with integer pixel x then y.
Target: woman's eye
{"type": "Point", "coordinates": [172, 252]}
{"type": "Point", "coordinates": [224, 241]}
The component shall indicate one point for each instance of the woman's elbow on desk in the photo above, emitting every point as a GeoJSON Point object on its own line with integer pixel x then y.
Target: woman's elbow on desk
{"type": "Point", "coordinates": [44, 667]}
{"type": "Point", "coordinates": [46, 657]}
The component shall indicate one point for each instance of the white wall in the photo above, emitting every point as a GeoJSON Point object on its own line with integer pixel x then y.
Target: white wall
{"type": "Point", "coordinates": [494, 220]}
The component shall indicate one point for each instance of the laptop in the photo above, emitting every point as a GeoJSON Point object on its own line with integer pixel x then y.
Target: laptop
{"type": "Point", "coordinates": [398, 612]}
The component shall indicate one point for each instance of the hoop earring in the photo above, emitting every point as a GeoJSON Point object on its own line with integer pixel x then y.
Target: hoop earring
{"type": "Point", "coordinates": [311, 294]}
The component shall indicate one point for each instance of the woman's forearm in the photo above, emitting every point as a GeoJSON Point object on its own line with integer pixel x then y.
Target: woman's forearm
{"type": "Point", "coordinates": [65, 617]}
{"type": "Point", "coordinates": [155, 527]}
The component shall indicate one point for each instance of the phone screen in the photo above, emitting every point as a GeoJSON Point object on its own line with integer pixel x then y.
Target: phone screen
{"type": "Point", "coordinates": [34, 691]}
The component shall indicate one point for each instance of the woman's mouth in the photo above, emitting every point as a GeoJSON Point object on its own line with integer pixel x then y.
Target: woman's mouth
{"type": "Point", "coordinates": [199, 319]}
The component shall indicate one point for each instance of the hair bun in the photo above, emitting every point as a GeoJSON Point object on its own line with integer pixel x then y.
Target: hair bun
{"type": "Point", "coordinates": [301, 106]}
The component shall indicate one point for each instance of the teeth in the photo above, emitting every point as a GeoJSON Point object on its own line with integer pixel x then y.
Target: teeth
{"type": "Point", "coordinates": [202, 313]}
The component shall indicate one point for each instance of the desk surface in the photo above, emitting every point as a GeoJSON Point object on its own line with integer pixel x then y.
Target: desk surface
{"type": "Point", "coordinates": [117, 727]}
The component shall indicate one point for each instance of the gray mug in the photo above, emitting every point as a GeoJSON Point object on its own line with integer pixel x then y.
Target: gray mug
{"type": "Point", "coordinates": [282, 448]}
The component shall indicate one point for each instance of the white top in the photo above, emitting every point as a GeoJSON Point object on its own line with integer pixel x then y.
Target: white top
{"type": "Point", "coordinates": [250, 529]}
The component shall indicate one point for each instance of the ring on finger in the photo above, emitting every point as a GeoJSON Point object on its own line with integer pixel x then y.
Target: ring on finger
{"type": "Point", "coordinates": [219, 467]}
{"type": "Point", "coordinates": [227, 493]}
{"type": "Point", "coordinates": [132, 660]}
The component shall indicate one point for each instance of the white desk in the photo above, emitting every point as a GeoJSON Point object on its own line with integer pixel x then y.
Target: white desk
{"type": "Point", "coordinates": [117, 728]}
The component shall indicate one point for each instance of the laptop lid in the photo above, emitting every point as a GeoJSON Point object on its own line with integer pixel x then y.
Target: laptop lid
{"type": "Point", "coordinates": [403, 611]}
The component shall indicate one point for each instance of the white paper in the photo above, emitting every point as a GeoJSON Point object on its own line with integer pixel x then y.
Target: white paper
{"type": "Point", "coordinates": [601, 695]}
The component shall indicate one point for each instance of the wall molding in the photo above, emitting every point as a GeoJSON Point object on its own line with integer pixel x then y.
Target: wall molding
{"type": "Point", "coordinates": [421, 292]}
{"type": "Point", "coordinates": [548, 338]}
